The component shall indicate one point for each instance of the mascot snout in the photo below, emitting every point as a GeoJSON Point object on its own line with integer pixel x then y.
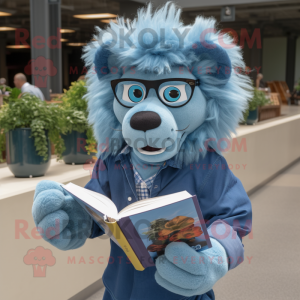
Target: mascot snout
{"type": "Point", "coordinates": [145, 120]}
{"type": "Point", "coordinates": [150, 128]}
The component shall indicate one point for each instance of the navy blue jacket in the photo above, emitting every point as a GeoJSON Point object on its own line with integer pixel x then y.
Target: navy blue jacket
{"type": "Point", "coordinates": [222, 199]}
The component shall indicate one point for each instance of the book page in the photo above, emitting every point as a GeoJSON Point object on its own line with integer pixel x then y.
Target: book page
{"type": "Point", "coordinates": [152, 203]}
{"type": "Point", "coordinates": [96, 200]}
{"type": "Point", "coordinates": [104, 205]}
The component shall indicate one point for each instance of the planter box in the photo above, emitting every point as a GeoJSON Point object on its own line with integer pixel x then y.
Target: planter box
{"type": "Point", "coordinates": [75, 152]}
{"type": "Point", "coordinates": [270, 111]}
{"type": "Point", "coordinates": [21, 156]}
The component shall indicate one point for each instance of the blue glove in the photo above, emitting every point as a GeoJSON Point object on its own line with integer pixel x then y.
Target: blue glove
{"type": "Point", "coordinates": [186, 272]}
{"type": "Point", "coordinates": [60, 220]}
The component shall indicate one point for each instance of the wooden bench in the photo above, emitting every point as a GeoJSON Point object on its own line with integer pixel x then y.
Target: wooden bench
{"type": "Point", "coordinates": [281, 88]}
{"type": "Point", "coordinates": [54, 98]}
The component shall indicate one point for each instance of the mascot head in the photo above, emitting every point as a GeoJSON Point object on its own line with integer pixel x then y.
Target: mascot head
{"type": "Point", "coordinates": [165, 89]}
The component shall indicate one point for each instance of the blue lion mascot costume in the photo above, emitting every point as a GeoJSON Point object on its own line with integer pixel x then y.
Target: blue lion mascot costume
{"type": "Point", "coordinates": [163, 100]}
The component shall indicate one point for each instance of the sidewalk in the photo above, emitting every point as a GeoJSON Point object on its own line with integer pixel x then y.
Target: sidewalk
{"type": "Point", "coordinates": [97, 296]}
{"type": "Point", "coordinates": [274, 272]}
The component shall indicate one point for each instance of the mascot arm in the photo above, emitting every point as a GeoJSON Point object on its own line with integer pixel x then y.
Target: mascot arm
{"type": "Point", "coordinates": [186, 272]}
{"type": "Point", "coordinates": [60, 220]}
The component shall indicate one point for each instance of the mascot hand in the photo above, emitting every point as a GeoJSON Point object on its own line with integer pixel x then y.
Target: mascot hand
{"type": "Point", "coordinates": [186, 272]}
{"type": "Point", "coordinates": [60, 220]}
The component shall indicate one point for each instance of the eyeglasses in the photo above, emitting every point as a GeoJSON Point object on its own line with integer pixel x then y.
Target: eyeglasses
{"type": "Point", "coordinates": [174, 92]}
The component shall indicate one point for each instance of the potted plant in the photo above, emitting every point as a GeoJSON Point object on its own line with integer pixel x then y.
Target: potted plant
{"type": "Point", "coordinates": [80, 144]}
{"type": "Point", "coordinates": [6, 93]}
{"type": "Point", "coordinates": [29, 124]}
{"type": "Point", "coordinates": [296, 94]}
{"type": "Point", "coordinates": [297, 86]}
{"type": "Point", "coordinates": [2, 147]}
{"type": "Point", "coordinates": [251, 114]}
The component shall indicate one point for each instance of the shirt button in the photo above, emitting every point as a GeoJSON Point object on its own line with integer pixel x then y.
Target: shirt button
{"type": "Point", "coordinates": [129, 198]}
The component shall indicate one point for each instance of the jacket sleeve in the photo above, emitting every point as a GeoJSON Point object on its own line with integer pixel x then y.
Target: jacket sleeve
{"type": "Point", "coordinates": [99, 183]}
{"type": "Point", "coordinates": [228, 207]}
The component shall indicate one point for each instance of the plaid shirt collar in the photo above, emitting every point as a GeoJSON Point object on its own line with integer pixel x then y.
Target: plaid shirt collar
{"type": "Point", "coordinates": [139, 181]}
{"type": "Point", "coordinates": [142, 187]}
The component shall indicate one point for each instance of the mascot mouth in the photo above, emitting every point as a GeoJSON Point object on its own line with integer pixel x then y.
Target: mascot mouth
{"type": "Point", "coordinates": [151, 150]}
{"type": "Point", "coordinates": [148, 150]}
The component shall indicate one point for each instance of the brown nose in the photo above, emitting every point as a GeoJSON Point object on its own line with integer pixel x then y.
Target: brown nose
{"type": "Point", "coordinates": [145, 120]}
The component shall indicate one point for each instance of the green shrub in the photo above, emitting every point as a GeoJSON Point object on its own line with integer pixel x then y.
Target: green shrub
{"type": "Point", "coordinates": [13, 93]}
{"type": "Point", "coordinates": [28, 111]}
{"type": "Point", "coordinates": [297, 87]}
{"type": "Point", "coordinates": [75, 113]}
{"type": "Point", "coordinates": [259, 99]}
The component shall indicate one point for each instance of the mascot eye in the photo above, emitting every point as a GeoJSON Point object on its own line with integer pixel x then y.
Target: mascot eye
{"type": "Point", "coordinates": [133, 93]}
{"type": "Point", "coordinates": [173, 93]}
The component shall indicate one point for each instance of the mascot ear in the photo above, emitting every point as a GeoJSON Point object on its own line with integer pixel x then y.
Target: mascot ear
{"type": "Point", "coordinates": [218, 54]}
{"type": "Point", "coordinates": [101, 61]}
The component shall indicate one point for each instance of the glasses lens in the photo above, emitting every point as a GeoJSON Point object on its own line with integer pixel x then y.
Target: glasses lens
{"type": "Point", "coordinates": [175, 93]}
{"type": "Point", "coordinates": [130, 93]}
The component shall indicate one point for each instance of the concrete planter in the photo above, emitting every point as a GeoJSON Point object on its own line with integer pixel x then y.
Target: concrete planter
{"type": "Point", "coordinates": [75, 152]}
{"type": "Point", "coordinates": [21, 156]}
{"type": "Point", "coordinates": [252, 117]}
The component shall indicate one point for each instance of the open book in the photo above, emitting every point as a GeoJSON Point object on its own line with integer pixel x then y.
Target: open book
{"type": "Point", "coordinates": [144, 228]}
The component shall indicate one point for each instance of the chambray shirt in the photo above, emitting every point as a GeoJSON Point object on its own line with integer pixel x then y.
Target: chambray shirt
{"type": "Point", "coordinates": [225, 206]}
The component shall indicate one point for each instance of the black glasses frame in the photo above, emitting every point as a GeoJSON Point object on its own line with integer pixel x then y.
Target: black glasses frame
{"type": "Point", "coordinates": [155, 84]}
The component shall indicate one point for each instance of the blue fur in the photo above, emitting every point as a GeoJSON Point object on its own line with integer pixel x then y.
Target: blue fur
{"type": "Point", "coordinates": [184, 271]}
{"type": "Point", "coordinates": [226, 97]}
{"type": "Point", "coordinates": [221, 57]}
{"type": "Point", "coordinates": [101, 62]}
{"type": "Point", "coordinates": [53, 209]}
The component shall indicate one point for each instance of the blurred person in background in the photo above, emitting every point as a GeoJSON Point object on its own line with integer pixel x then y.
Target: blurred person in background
{"type": "Point", "coordinates": [21, 83]}
{"type": "Point", "coordinates": [82, 77]}
{"type": "Point", "coordinates": [259, 82]}
{"type": "Point", "coordinates": [2, 85]}
{"type": "Point", "coordinates": [2, 81]}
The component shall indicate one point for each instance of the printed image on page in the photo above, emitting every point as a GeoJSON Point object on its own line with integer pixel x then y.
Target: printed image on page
{"type": "Point", "coordinates": [177, 222]}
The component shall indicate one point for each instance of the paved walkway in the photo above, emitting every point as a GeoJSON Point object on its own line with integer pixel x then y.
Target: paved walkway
{"type": "Point", "coordinates": [274, 271]}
